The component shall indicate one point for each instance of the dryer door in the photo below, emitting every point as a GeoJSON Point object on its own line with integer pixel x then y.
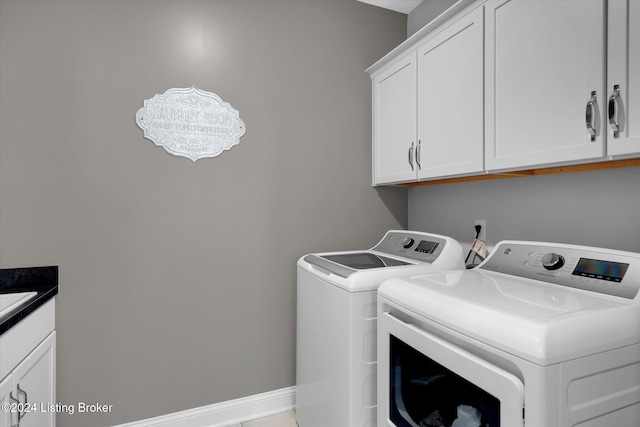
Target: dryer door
{"type": "Point", "coordinates": [426, 381]}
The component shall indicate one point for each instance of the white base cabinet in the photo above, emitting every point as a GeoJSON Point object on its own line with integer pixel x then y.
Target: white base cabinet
{"type": "Point", "coordinates": [27, 391]}
{"type": "Point", "coordinates": [7, 391]}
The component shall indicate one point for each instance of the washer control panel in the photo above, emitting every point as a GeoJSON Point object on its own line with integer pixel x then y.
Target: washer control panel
{"type": "Point", "coordinates": [600, 270]}
{"type": "Point", "coordinates": [423, 247]}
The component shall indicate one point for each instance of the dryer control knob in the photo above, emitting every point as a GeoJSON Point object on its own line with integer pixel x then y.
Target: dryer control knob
{"type": "Point", "coordinates": [552, 261]}
{"type": "Point", "coordinates": [407, 242]}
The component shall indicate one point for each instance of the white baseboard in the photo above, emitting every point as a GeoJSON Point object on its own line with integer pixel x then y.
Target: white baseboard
{"type": "Point", "coordinates": [226, 413]}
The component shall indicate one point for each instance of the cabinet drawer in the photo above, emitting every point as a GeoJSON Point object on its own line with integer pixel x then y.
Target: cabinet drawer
{"type": "Point", "coordinates": [19, 341]}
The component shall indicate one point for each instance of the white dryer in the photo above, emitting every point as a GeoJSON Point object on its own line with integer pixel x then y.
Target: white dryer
{"type": "Point", "coordinates": [539, 335]}
{"type": "Point", "coordinates": [336, 322]}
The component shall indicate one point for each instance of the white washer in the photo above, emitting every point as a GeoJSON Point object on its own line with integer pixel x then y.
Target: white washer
{"type": "Point", "coordinates": [336, 325]}
{"type": "Point", "coordinates": [540, 334]}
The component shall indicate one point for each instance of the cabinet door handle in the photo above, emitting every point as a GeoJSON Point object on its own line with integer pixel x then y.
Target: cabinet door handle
{"type": "Point", "coordinates": [591, 116]}
{"type": "Point", "coordinates": [613, 111]}
{"type": "Point", "coordinates": [11, 413]}
{"type": "Point", "coordinates": [418, 152]}
{"type": "Point", "coordinates": [26, 400]}
{"type": "Point", "coordinates": [411, 155]}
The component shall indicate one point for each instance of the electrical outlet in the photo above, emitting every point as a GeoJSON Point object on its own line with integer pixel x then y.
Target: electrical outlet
{"type": "Point", "coordinates": [483, 230]}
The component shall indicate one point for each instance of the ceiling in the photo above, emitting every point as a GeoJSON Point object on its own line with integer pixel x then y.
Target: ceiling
{"type": "Point", "coordinates": [403, 6]}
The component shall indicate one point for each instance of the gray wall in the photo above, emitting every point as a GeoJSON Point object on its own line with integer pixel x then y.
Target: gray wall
{"type": "Point", "coordinates": [177, 280]}
{"type": "Point", "coordinates": [594, 208]}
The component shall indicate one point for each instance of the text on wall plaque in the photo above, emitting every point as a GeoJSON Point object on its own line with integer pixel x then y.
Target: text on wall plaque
{"type": "Point", "coordinates": [190, 122]}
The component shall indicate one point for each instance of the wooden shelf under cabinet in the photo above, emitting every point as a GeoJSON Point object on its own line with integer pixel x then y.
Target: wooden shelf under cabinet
{"type": "Point", "coordinates": [532, 172]}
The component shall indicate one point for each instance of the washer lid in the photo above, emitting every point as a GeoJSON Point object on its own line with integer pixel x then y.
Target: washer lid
{"type": "Point", "coordinates": [352, 261]}
{"type": "Point", "coordinates": [540, 322]}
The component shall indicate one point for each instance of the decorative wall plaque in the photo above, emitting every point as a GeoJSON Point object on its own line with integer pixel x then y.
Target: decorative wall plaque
{"type": "Point", "coordinates": [190, 123]}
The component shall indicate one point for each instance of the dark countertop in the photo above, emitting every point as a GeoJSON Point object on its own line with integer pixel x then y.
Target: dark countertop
{"type": "Point", "coordinates": [43, 280]}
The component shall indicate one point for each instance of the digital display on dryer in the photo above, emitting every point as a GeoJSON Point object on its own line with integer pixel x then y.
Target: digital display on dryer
{"type": "Point", "coordinates": [603, 270]}
{"type": "Point", "coordinates": [427, 247]}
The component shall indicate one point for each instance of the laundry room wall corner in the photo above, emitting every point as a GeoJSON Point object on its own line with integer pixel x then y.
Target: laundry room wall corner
{"type": "Point", "coordinates": [395, 200]}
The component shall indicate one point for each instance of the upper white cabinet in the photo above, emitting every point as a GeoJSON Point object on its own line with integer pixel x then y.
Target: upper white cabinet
{"type": "Point", "coordinates": [623, 77]}
{"type": "Point", "coordinates": [545, 82]}
{"type": "Point", "coordinates": [451, 100]}
{"type": "Point", "coordinates": [394, 121]}
{"type": "Point", "coordinates": [428, 106]}
{"type": "Point", "coordinates": [496, 86]}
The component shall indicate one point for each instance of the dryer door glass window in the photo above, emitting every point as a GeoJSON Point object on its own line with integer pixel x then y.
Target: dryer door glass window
{"type": "Point", "coordinates": [426, 394]}
{"type": "Point", "coordinates": [431, 382]}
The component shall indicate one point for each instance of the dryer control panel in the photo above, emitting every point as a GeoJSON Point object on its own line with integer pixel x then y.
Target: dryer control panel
{"type": "Point", "coordinates": [599, 270]}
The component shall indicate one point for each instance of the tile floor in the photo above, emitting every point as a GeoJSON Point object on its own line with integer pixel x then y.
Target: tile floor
{"type": "Point", "coordinates": [286, 419]}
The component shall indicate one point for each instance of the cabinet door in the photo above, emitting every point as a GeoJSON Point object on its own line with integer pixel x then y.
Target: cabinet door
{"type": "Point", "coordinates": [451, 100]}
{"type": "Point", "coordinates": [7, 419]}
{"type": "Point", "coordinates": [394, 122]}
{"type": "Point", "coordinates": [35, 382]}
{"type": "Point", "coordinates": [623, 77]}
{"type": "Point", "coordinates": [544, 59]}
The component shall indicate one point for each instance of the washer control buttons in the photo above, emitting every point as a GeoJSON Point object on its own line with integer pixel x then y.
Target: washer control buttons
{"type": "Point", "coordinates": [552, 261]}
